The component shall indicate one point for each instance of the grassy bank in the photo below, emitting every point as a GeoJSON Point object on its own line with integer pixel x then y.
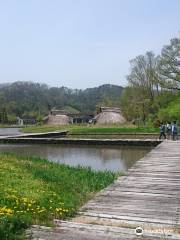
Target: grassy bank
{"type": "Point", "coordinates": [92, 129]}
{"type": "Point", "coordinates": [35, 191]}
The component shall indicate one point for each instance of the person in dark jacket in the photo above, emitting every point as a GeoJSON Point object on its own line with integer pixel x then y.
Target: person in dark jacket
{"type": "Point", "coordinates": [162, 131]}
{"type": "Point", "coordinates": [168, 130]}
{"type": "Point", "coordinates": [174, 130]}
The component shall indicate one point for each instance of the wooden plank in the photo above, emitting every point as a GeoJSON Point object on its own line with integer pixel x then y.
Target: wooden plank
{"type": "Point", "coordinates": [150, 192]}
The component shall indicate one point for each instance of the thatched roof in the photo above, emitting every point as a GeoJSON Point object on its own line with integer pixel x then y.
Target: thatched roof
{"type": "Point", "coordinates": [67, 110]}
{"type": "Point", "coordinates": [58, 112]}
{"type": "Point", "coordinates": [57, 119]}
{"type": "Point", "coordinates": [110, 109]}
{"type": "Point", "coordinates": [109, 116]}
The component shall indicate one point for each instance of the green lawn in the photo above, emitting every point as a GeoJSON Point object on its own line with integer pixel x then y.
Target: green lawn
{"type": "Point", "coordinates": [92, 129]}
{"type": "Point", "coordinates": [35, 191]}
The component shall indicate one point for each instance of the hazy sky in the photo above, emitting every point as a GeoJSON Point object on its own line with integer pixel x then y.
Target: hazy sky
{"type": "Point", "coordinates": [81, 43]}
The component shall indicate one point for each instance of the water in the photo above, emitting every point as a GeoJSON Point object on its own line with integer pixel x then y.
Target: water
{"type": "Point", "coordinates": [114, 158]}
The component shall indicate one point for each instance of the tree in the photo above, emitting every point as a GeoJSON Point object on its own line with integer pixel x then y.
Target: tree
{"type": "Point", "coordinates": [171, 111]}
{"type": "Point", "coordinates": [3, 115]}
{"type": "Point", "coordinates": [27, 99]}
{"type": "Point", "coordinates": [106, 102]}
{"type": "Point", "coordinates": [143, 87]}
{"type": "Point", "coordinates": [144, 74]}
{"type": "Point", "coordinates": [135, 104]}
{"type": "Point", "coordinates": [148, 95]}
{"type": "Point", "coordinates": [169, 65]}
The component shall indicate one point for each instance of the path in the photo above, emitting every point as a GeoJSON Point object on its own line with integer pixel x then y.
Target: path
{"type": "Point", "coordinates": [9, 131]}
{"type": "Point", "coordinates": [149, 196]}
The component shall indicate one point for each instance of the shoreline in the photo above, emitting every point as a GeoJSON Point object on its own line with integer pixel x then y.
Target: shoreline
{"type": "Point", "coordinates": [122, 142]}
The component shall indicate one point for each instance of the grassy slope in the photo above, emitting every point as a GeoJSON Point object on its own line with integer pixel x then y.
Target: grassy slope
{"type": "Point", "coordinates": [94, 129]}
{"type": "Point", "coordinates": [33, 190]}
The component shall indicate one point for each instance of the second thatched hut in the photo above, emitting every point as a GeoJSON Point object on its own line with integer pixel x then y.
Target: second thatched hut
{"type": "Point", "coordinates": [109, 115]}
{"type": "Point", "coordinates": [57, 117]}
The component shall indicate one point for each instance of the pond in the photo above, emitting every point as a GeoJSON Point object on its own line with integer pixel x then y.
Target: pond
{"type": "Point", "coordinates": [114, 158]}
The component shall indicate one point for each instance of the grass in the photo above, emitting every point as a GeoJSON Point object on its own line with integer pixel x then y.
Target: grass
{"type": "Point", "coordinates": [35, 191]}
{"type": "Point", "coordinates": [11, 126]}
{"type": "Point", "coordinates": [92, 129]}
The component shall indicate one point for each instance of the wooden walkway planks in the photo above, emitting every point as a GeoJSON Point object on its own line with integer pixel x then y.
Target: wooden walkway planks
{"type": "Point", "coordinates": [80, 231]}
{"type": "Point", "coordinates": [148, 196]}
{"type": "Point", "coordinates": [149, 193]}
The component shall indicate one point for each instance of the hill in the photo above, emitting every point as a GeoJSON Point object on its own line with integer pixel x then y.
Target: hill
{"type": "Point", "coordinates": [28, 99]}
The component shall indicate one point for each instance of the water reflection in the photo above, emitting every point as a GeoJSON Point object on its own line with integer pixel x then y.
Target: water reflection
{"type": "Point", "coordinates": [114, 158]}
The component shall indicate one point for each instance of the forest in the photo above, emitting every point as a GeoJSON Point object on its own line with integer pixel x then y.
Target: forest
{"type": "Point", "coordinates": [35, 100]}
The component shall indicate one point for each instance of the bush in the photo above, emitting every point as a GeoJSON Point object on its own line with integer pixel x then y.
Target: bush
{"type": "Point", "coordinates": [171, 112]}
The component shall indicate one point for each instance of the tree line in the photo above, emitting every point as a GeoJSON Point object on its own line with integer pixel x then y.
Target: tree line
{"type": "Point", "coordinates": [153, 91]}
{"type": "Point", "coordinates": [35, 100]}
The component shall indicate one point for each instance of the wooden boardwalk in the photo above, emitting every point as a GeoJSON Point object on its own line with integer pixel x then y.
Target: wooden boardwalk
{"type": "Point", "coordinates": [148, 196]}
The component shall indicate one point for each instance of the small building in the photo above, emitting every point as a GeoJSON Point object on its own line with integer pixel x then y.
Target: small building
{"type": "Point", "coordinates": [82, 118]}
{"type": "Point", "coordinates": [26, 121]}
{"type": "Point", "coordinates": [109, 115]}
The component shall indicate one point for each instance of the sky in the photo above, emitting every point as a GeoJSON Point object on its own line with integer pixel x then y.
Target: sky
{"type": "Point", "coordinates": [81, 43]}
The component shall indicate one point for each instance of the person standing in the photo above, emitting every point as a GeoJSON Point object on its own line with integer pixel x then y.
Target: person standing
{"type": "Point", "coordinates": [168, 130]}
{"type": "Point", "coordinates": [162, 131]}
{"type": "Point", "coordinates": [174, 131]}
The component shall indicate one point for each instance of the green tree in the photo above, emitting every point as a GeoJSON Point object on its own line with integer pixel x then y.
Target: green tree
{"type": "Point", "coordinates": [27, 99]}
{"type": "Point", "coordinates": [144, 86]}
{"type": "Point", "coordinates": [169, 65]}
{"type": "Point", "coordinates": [135, 104]}
{"type": "Point", "coordinates": [171, 111]}
{"type": "Point", "coordinates": [144, 74]}
{"type": "Point", "coordinates": [3, 116]}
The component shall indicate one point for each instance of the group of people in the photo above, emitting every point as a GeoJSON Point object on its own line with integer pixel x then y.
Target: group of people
{"type": "Point", "coordinates": [169, 131]}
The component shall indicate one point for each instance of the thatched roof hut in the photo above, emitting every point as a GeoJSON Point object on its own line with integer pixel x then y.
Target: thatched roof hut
{"type": "Point", "coordinates": [57, 120]}
{"type": "Point", "coordinates": [57, 117]}
{"type": "Point", "coordinates": [109, 115]}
